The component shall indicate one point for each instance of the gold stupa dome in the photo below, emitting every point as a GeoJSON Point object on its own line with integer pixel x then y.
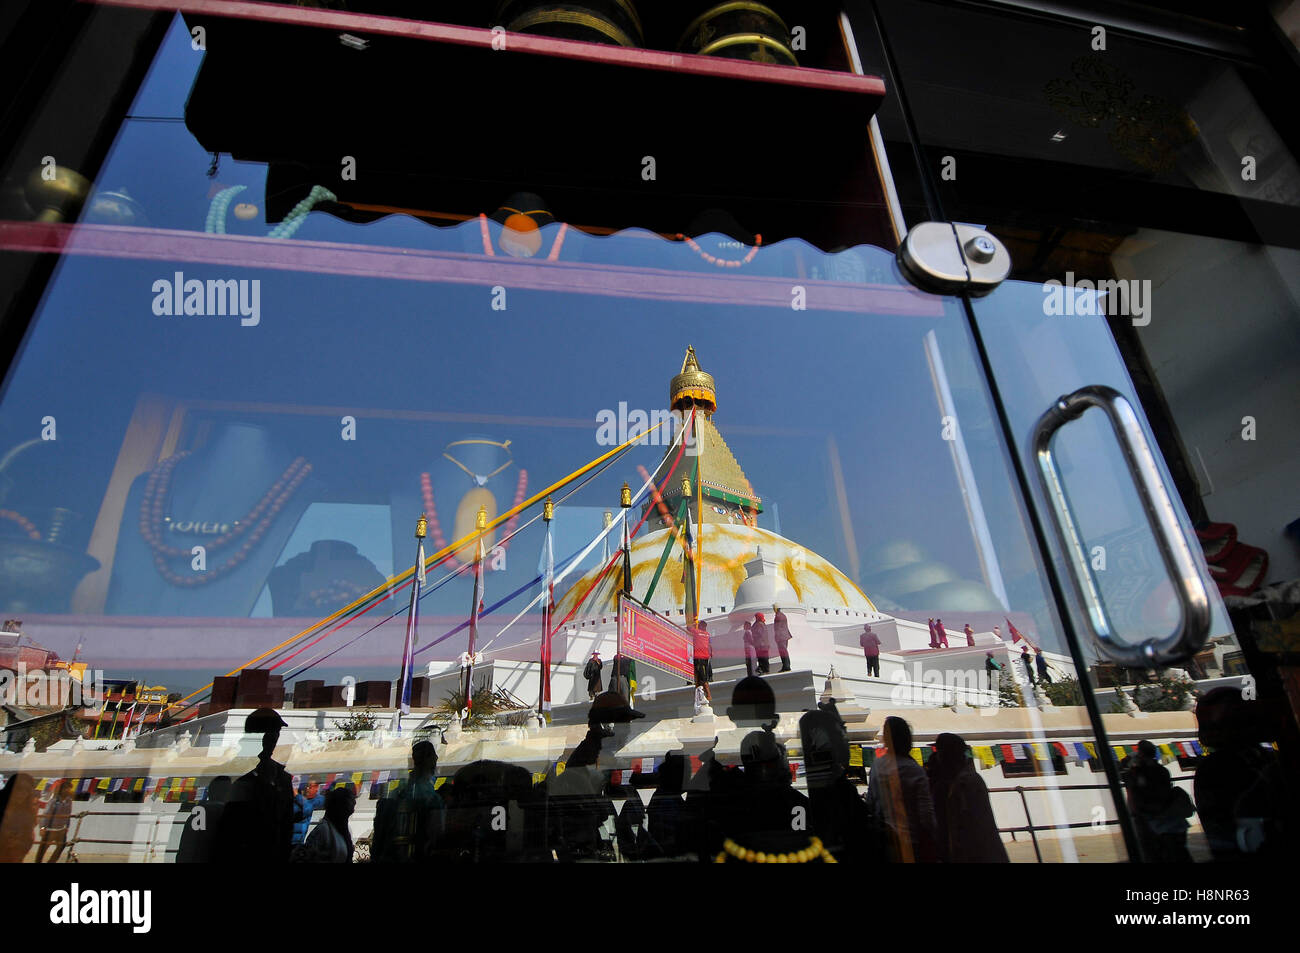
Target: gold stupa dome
{"type": "Point", "coordinates": [693, 386]}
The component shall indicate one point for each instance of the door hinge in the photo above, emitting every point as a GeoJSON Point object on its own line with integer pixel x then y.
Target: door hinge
{"type": "Point", "coordinates": [948, 257]}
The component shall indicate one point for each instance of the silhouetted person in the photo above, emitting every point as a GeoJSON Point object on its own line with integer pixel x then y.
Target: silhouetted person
{"type": "Point", "coordinates": [1028, 664]}
{"type": "Point", "coordinates": [703, 652]}
{"type": "Point", "coordinates": [58, 816]}
{"type": "Point", "coordinates": [330, 841]}
{"type": "Point", "coordinates": [257, 825]}
{"type": "Point", "coordinates": [202, 827]}
{"type": "Point", "coordinates": [762, 644]}
{"type": "Point", "coordinates": [781, 633]}
{"type": "Point", "coordinates": [1241, 795]}
{"type": "Point", "coordinates": [493, 816]}
{"type": "Point", "coordinates": [771, 802]}
{"type": "Point", "coordinates": [992, 669]}
{"type": "Point", "coordinates": [870, 643]}
{"type": "Point", "coordinates": [18, 813]}
{"type": "Point", "coordinates": [839, 816]}
{"type": "Point", "coordinates": [622, 676]}
{"type": "Point", "coordinates": [970, 635]}
{"type": "Point", "coordinates": [409, 824]}
{"type": "Point", "coordinates": [750, 657]}
{"type": "Point", "coordinates": [1160, 810]}
{"type": "Point", "coordinates": [581, 815]}
{"type": "Point", "coordinates": [965, 829]}
{"type": "Point", "coordinates": [591, 672]}
{"type": "Point", "coordinates": [898, 794]}
{"type": "Point", "coordinates": [1040, 660]}
{"type": "Point", "coordinates": [666, 814]}
{"type": "Point", "coordinates": [715, 793]}
{"type": "Point", "coordinates": [309, 799]}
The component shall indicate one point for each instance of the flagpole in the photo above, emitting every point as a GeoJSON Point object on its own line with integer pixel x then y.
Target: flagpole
{"type": "Point", "coordinates": [412, 624]}
{"type": "Point", "coordinates": [609, 518]}
{"type": "Point", "coordinates": [548, 581]}
{"type": "Point", "coordinates": [688, 551]}
{"type": "Point", "coordinates": [480, 524]}
{"type": "Point", "coordinates": [625, 501]}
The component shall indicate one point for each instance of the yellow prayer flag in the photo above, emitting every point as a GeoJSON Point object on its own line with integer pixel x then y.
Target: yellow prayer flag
{"type": "Point", "coordinates": [1040, 751]}
{"type": "Point", "coordinates": [1168, 751]}
{"type": "Point", "coordinates": [985, 754]}
{"type": "Point", "coordinates": [916, 756]}
{"type": "Point", "coordinates": [559, 768]}
{"type": "Point", "coordinates": [538, 778]}
{"type": "Point", "coordinates": [1091, 748]}
{"type": "Point", "coordinates": [439, 782]}
{"type": "Point", "coordinates": [855, 756]}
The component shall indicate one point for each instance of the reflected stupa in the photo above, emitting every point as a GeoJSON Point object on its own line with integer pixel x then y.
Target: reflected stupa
{"type": "Point", "coordinates": [745, 569]}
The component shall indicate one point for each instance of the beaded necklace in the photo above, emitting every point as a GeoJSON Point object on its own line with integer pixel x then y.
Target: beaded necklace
{"type": "Point", "coordinates": [721, 262]}
{"type": "Point", "coordinates": [27, 525]}
{"type": "Point", "coordinates": [256, 522]}
{"type": "Point", "coordinates": [216, 220]}
{"type": "Point", "coordinates": [814, 851]}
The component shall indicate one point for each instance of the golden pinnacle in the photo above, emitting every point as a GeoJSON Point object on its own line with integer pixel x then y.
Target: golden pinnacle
{"type": "Point", "coordinates": [686, 486]}
{"type": "Point", "coordinates": [548, 510]}
{"type": "Point", "coordinates": [421, 527]}
{"type": "Point", "coordinates": [480, 521]}
{"type": "Point", "coordinates": [625, 496]}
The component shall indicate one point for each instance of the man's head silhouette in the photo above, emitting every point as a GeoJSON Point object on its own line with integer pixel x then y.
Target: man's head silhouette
{"type": "Point", "coordinates": [753, 703]}
{"type": "Point", "coordinates": [267, 723]}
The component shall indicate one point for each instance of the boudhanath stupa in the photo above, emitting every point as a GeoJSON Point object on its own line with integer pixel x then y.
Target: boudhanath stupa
{"type": "Point", "coordinates": [745, 570]}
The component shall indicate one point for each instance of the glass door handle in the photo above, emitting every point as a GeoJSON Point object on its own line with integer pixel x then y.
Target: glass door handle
{"type": "Point", "coordinates": [1189, 584]}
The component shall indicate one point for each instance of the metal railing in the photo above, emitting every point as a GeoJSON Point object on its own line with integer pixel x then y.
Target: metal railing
{"type": "Point", "coordinates": [1032, 829]}
{"type": "Point", "coordinates": [155, 849]}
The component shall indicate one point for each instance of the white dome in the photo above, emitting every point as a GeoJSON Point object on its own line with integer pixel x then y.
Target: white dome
{"type": "Point", "coordinates": [801, 578]}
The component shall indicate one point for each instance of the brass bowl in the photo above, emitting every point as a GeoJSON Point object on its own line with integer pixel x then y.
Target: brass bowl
{"type": "Point", "coordinates": [36, 576]}
{"type": "Point", "coordinates": [744, 31]}
{"type": "Point", "coordinates": [594, 21]}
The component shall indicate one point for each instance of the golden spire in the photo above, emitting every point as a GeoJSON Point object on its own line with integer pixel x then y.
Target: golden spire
{"type": "Point", "coordinates": [421, 527]}
{"type": "Point", "coordinates": [625, 496]}
{"type": "Point", "coordinates": [548, 510]}
{"type": "Point", "coordinates": [686, 487]}
{"type": "Point", "coordinates": [693, 386]}
{"type": "Point", "coordinates": [480, 521]}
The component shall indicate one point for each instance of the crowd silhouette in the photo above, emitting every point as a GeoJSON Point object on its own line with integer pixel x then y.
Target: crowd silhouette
{"type": "Point", "coordinates": [591, 808]}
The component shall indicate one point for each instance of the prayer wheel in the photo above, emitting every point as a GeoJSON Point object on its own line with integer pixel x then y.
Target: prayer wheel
{"type": "Point", "coordinates": [595, 21]}
{"type": "Point", "coordinates": [743, 31]}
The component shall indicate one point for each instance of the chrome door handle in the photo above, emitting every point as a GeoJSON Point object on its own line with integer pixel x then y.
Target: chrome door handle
{"type": "Point", "coordinates": [1189, 584]}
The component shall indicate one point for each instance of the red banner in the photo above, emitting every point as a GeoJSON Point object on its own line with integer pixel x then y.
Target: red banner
{"type": "Point", "coordinates": [652, 639]}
